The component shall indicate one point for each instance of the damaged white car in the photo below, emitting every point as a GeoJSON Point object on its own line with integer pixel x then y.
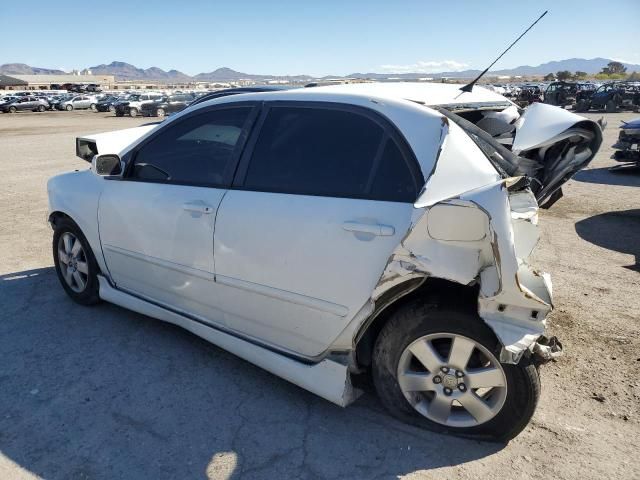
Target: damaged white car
{"type": "Point", "coordinates": [324, 233]}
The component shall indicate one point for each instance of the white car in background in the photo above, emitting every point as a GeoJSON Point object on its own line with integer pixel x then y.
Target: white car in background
{"type": "Point", "coordinates": [323, 233]}
{"type": "Point", "coordinates": [133, 105]}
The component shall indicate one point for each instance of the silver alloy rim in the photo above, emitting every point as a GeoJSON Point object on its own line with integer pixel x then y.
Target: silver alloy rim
{"type": "Point", "coordinates": [160, 112]}
{"type": "Point", "coordinates": [73, 262]}
{"type": "Point", "coordinates": [452, 380]}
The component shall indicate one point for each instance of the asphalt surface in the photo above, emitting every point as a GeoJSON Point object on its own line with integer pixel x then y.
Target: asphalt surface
{"type": "Point", "coordinates": [103, 393]}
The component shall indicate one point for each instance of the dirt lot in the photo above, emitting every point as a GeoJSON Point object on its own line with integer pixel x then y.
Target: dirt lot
{"type": "Point", "coordinates": [106, 393]}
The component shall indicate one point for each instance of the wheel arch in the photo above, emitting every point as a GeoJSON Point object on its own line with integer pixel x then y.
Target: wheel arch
{"type": "Point", "coordinates": [433, 290]}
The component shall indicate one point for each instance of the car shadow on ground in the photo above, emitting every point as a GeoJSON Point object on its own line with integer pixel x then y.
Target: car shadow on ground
{"type": "Point", "coordinates": [101, 392]}
{"type": "Point", "coordinates": [625, 177]}
{"type": "Point", "coordinates": [618, 231]}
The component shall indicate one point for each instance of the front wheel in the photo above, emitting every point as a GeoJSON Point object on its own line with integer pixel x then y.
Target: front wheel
{"type": "Point", "coordinates": [160, 112]}
{"type": "Point", "coordinates": [133, 112]}
{"type": "Point", "coordinates": [68, 108]}
{"type": "Point", "coordinates": [94, 107]}
{"type": "Point", "coordinates": [75, 264]}
{"type": "Point", "coordinates": [581, 106]}
{"type": "Point", "coordinates": [439, 368]}
{"type": "Point", "coordinates": [12, 110]}
{"type": "Point", "coordinates": [41, 108]}
{"type": "Point", "coordinates": [611, 107]}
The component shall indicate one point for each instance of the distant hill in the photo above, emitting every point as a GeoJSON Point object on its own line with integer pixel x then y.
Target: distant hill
{"type": "Point", "coordinates": [591, 66]}
{"type": "Point", "coordinates": [126, 71]}
{"type": "Point", "coordinates": [24, 69]}
{"type": "Point", "coordinates": [225, 74]}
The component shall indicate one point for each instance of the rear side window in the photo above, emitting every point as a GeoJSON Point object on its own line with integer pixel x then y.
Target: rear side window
{"type": "Point", "coordinates": [197, 151]}
{"type": "Point", "coordinates": [328, 152]}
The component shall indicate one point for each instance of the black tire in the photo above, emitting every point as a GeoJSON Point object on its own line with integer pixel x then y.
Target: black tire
{"type": "Point", "coordinates": [417, 319]}
{"type": "Point", "coordinates": [41, 108]}
{"type": "Point", "coordinates": [611, 107]}
{"type": "Point", "coordinates": [133, 112]}
{"type": "Point", "coordinates": [68, 108]}
{"type": "Point", "coordinates": [582, 106]}
{"type": "Point", "coordinates": [13, 109]}
{"type": "Point", "coordinates": [160, 112]}
{"type": "Point", "coordinates": [93, 107]}
{"type": "Point", "coordinates": [88, 296]}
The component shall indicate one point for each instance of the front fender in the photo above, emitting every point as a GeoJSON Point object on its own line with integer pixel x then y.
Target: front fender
{"type": "Point", "coordinates": [77, 194]}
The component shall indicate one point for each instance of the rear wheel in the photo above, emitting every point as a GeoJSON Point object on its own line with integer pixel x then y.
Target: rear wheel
{"type": "Point", "coordinates": [439, 368]}
{"type": "Point", "coordinates": [611, 107]}
{"type": "Point", "coordinates": [76, 266]}
{"type": "Point", "coordinates": [41, 108]}
{"type": "Point", "coordinates": [133, 112]}
{"type": "Point", "coordinates": [160, 112]}
{"type": "Point", "coordinates": [93, 107]}
{"type": "Point", "coordinates": [68, 108]}
{"type": "Point", "coordinates": [12, 110]}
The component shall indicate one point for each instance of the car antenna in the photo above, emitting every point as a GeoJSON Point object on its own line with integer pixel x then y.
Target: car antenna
{"type": "Point", "coordinates": [469, 87]}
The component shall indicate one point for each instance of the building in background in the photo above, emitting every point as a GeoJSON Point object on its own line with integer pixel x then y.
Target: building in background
{"type": "Point", "coordinates": [45, 82]}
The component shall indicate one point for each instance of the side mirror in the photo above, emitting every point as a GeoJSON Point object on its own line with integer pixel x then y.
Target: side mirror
{"type": "Point", "coordinates": [107, 165]}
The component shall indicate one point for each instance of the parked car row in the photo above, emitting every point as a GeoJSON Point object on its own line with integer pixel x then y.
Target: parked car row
{"type": "Point", "coordinates": [154, 106]}
{"type": "Point", "coordinates": [129, 104]}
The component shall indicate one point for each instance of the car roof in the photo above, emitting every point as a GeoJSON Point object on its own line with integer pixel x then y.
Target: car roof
{"type": "Point", "coordinates": [237, 90]}
{"type": "Point", "coordinates": [424, 93]}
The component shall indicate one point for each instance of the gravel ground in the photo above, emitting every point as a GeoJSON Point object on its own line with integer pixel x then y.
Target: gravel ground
{"type": "Point", "coordinates": [105, 393]}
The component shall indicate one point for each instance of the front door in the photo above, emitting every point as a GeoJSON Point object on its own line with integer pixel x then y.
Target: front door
{"type": "Point", "coordinates": [324, 196]}
{"type": "Point", "coordinates": [157, 223]}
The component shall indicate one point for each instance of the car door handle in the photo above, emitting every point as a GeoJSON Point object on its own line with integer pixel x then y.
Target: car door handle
{"type": "Point", "coordinates": [198, 207]}
{"type": "Point", "coordinates": [374, 229]}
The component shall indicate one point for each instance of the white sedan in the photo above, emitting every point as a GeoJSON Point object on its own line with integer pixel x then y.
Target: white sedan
{"type": "Point", "coordinates": [328, 232]}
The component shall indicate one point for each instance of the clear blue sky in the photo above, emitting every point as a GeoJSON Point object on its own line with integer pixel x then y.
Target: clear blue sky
{"type": "Point", "coordinates": [314, 37]}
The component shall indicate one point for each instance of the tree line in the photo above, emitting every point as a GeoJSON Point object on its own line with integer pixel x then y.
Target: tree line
{"type": "Point", "coordinates": [613, 71]}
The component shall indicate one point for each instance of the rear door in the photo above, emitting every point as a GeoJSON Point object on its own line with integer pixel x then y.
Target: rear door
{"type": "Point", "coordinates": [323, 195]}
{"type": "Point", "coordinates": [157, 224]}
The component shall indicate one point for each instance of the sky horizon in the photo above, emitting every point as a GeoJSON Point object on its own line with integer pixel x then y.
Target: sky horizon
{"type": "Point", "coordinates": [317, 39]}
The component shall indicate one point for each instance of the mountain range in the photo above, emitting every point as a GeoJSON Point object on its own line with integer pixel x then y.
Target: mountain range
{"type": "Point", "coordinates": [126, 71]}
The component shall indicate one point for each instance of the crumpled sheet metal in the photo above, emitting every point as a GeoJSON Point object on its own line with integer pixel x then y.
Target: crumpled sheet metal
{"type": "Point", "coordinates": [514, 298]}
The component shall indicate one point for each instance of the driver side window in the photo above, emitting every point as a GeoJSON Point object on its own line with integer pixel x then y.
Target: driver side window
{"type": "Point", "coordinates": [198, 150]}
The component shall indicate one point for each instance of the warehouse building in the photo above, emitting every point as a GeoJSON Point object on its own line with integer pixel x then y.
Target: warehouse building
{"type": "Point", "coordinates": [45, 82]}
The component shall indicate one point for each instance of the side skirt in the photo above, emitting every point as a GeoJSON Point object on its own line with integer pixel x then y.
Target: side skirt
{"type": "Point", "coordinates": [327, 379]}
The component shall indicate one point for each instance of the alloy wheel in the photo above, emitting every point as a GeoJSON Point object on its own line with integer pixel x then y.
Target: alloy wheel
{"type": "Point", "coordinates": [73, 262]}
{"type": "Point", "coordinates": [452, 380]}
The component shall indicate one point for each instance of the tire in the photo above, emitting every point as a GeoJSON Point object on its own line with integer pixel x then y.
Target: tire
{"type": "Point", "coordinates": [68, 108]}
{"type": "Point", "coordinates": [112, 108]}
{"type": "Point", "coordinates": [507, 408]}
{"type": "Point", "coordinates": [93, 107]}
{"type": "Point", "coordinates": [611, 107]}
{"type": "Point", "coordinates": [41, 108]}
{"type": "Point", "coordinates": [12, 110]}
{"type": "Point", "coordinates": [582, 106]}
{"type": "Point", "coordinates": [71, 264]}
{"type": "Point", "coordinates": [133, 112]}
{"type": "Point", "coordinates": [160, 112]}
